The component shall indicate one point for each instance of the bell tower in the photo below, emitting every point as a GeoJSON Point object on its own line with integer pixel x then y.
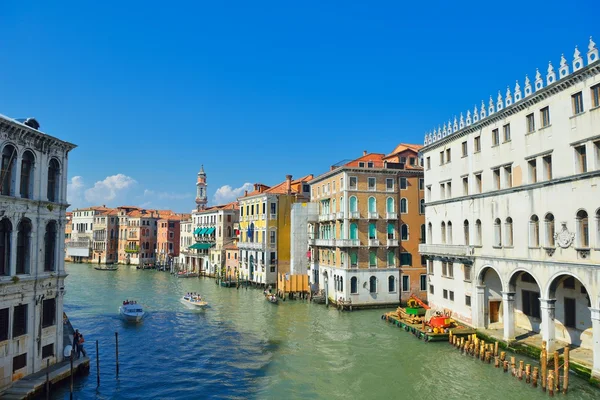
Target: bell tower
{"type": "Point", "coordinates": [201, 198]}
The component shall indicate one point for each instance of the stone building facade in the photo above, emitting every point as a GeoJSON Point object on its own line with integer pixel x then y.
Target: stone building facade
{"type": "Point", "coordinates": [513, 209]}
{"type": "Point", "coordinates": [33, 203]}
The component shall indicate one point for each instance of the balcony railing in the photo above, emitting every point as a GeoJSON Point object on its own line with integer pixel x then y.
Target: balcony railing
{"type": "Point", "coordinates": [340, 215]}
{"type": "Point", "coordinates": [348, 242]}
{"type": "Point", "coordinates": [373, 242]}
{"type": "Point", "coordinates": [446, 249]}
{"type": "Point", "coordinates": [354, 215]}
{"type": "Point", "coordinates": [325, 242]}
{"type": "Point", "coordinates": [392, 242]}
{"type": "Point", "coordinates": [323, 217]}
{"type": "Point", "coordinates": [373, 215]}
{"type": "Point", "coordinates": [312, 242]}
{"type": "Point", "coordinates": [273, 216]}
{"type": "Point", "coordinates": [391, 215]}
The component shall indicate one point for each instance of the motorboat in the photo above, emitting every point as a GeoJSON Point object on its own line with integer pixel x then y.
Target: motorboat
{"type": "Point", "coordinates": [187, 274]}
{"type": "Point", "coordinates": [194, 301]}
{"type": "Point", "coordinates": [131, 311]}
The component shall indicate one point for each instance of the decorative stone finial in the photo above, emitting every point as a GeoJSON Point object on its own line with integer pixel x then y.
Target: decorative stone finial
{"type": "Point", "coordinates": [444, 132]}
{"type": "Point", "coordinates": [527, 86]}
{"type": "Point", "coordinates": [564, 67]}
{"type": "Point", "coordinates": [592, 54]}
{"type": "Point", "coordinates": [462, 121]}
{"type": "Point", "coordinates": [449, 127]}
{"type": "Point", "coordinates": [577, 60]}
{"type": "Point", "coordinates": [468, 117]}
{"type": "Point", "coordinates": [551, 77]}
{"type": "Point", "coordinates": [455, 124]}
{"type": "Point", "coordinates": [508, 97]}
{"type": "Point", "coordinates": [482, 114]}
{"type": "Point", "coordinates": [475, 114]}
{"type": "Point", "coordinates": [491, 106]}
{"type": "Point", "coordinates": [517, 91]}
{"type": "Point", "coordinates": [539, 83]}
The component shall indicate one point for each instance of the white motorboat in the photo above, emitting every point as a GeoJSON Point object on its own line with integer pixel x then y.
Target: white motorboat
{"type": "Point", "coordinates": [194, 301]}
{"type": "Point", "coordinates": [131, 311]}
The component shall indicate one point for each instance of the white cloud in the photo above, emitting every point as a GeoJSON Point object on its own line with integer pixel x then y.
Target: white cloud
{"type": "Point", "coordinates": [226, 194]}
{"type": "Point", "coordinates": [75, 191]}
{"type": "Point", "coordinates": [109, 188]}
{"type": "Point", "coordinates": [166, 195]}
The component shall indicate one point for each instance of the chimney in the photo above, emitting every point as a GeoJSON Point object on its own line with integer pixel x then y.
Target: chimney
{"type": "Point", "coordinates": [364, 153]}
{"type": "Point", "coordinates": [288, 184]}
{"type": "Point", "coordinates": [245, 193]}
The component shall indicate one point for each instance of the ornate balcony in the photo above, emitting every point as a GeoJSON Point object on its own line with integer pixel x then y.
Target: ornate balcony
{"type": "Point", "coordinates": [354, 215]}
{"type": "Point", "coordinates": [340, 215]}
{"type": "Point", "coordinates": [373, 215]}
{"type": "Point", "coordinates": [392, 242]}
{"type": "Point", "coordinates": [312, 242]}
{"type": "Point", "coordinates": [325, 242]}
{"type": "Point", "coordinates": [323, 217]}
{"type": "Point", "coordinates": [373, 242]}
{"type": "Point", "coordinates": [447, 250]}
{"type": "Point", "coordinates": [391, 215]}
{"type": "Point", "coordinates": [348, 242]}
{"type": "Point", "coordinates": [332, 217]}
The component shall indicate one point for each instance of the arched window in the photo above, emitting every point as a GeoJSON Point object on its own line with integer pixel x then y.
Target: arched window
{"type": "Point", "coordinates": [478, 232]}
{"type": "Point", "coordinates": [391, 284]}
{"type": "Point", "coordinates": [372, 231]}
{"type": "Point", "coordinates": [372, 259]}
{"type": "Point", "coordinates": [391, 258]}
{"type": "Point", "coordinates": [404, 232]}
{"type": "Point", "coordinates": [9, 157]}
{"type": "Point", "coordinates": [50, 246]}
{"type": "Point", "coordinates": [549, 230]}
{"type": "Point", "coordinates": [429, 233]}
{"type": "Point", "coordinates": [403, 206]}
{"type": "Point", "coordinates": [26, 184]}
{"type": "Point", "coordinates": [353, 259]}
{"type": "Point", "coordinates": [53, 175]}
{"type": "Point", "coordinates": [228, 231]}
{"type": "Point", "coordinates": [373, 284]}
{"type": "Point", "coordinates": [353, 231]}
{"type": "Point", "coordinates": [333, 206]}
{"type": "Point", "coordinates": [449, 231]}
{"type": "Point", "coordinates": [353, 204]}
{"type": "Point", "coordinates": [497, 233]}
{"type": "Point", "coordinates": [390, 206]}
{"type": "Point", "coordinates": [391, 232]}
{"type": "Point", "coordinates": [422, 238]}
{"type": "Point", "coordinates": [466, 232]}
{"type": "Point", "coordinates": [372, 205]}
{"type": "Point", "coordinates": [112, 233]}
{"type": "Point", "coordinates": [534, 231]}
{"type": "Point", "coordinates": [443, 232]}
{"type": "Point", "coordinates": [583, 232]}
{"type": "Point", "coordinates": [341, 284]}
{"type": "Point", "coordinates": [341, 204]}
{"type": "Point", "coordinates": [422, 206]}
{"type": "Point", "coordinates": [509, 232]}
{"type": "Point", "coordinates": [353, 285]}
{"type": "Point", "coordinates": [23, 246]}
{"type": "Point", "coordinates": [5, 232]}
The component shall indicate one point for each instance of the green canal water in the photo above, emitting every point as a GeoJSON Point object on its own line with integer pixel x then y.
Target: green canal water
{"type": "Point", "coordinates": [244, 347]}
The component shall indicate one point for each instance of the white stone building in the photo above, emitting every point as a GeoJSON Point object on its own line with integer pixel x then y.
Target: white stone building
{"type": "Point", "coordinates": [513, 209]}
{"type": "Point", "coordinates": [33, 203]}
{"type": "Point", "coordinates": [80, 247]}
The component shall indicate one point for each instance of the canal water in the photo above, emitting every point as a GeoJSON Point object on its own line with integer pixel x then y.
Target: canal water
{"type": "Point", "coordinates": [244, 347]}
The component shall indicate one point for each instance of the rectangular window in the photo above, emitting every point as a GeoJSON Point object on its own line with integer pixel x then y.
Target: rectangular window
{"type": "Point", "coordinates": [495, 137]}
{"type": "Point", "coordinates": [465, 151]}
{"type": "Point", "coordinates": [531, 303]}
{"type": "Point", "coordinates": [451, 270]}
{"type": "Point", "coordinates": [371, 183]}
{"type": "Point", "coordinates": [467, 300]}
{"type": "Point", "coordinates": [477, 144]}
{"type": "Point", "coordinates": [465, 181]}
{"type": "Point", "coordinates": [570, 313]}
{"type": "Point", "coordinates": [370, 164]}
{"type": "Point", "coordinates": [412, 161]}
{"type": "Point", "coordinates": [532, 170]}
{"type": "Point", "coordinates": [467, 272]}
{"type": "Point", "coordinates": [577, 102]}
{"type": "Point", "coordinates": [547, 167]}
{"type": "Point", "coordinates": [451, 295]}
{"type": "Point", "coordinates": [428, 162]}
{"type": "Point", "coordinates": [406, 259]}
{"type": "Point", "coordinates": [429, 192]}
{"type": "Point", "coordinates": [508, 176]}
{"type": "Point", "coordinates": [506, 130]}
{"type": "Point", "coordinates": [445, 294]}
{"type": "Point", "coordinates": [444, 268]}
{"type": "Point", "coordinates": [405, 283]}
{"type": "Point", "coordinates": [361, 164]}
{"type": "Point", "coordinates": [545, 116]}
{"type": "Point", "coordinates": [48, 350]}
{"type": "Point", "coordinates": [423, 283]}
{"type": "Point", "coordinates": [4, 324]}
{"type": "Point", "coordinates": [530, 123]}
{"type": "Point", "coordinates": [496, 174]}
{"type": "Point", "coordinates": [353, 182]}
{"type": "Point", "coordinates": [430, 267]}
{"type": "Point", "coordinates": [581, 159]}
{"type": "Point", "coordinates": [422, 181]}
{"type": "Point", "coordinates": [48, 313]}
{"type": "Point", "coordinates": [597, 148]}
{"type": "Point", "coordinates": [19, 321]}
{"type": "Point", "coordinates": [478, 183]}
{"type": "Point", "coordinates": [595, 92]}
{"type": "Point", "coordinates": [403, 183]}
{"type": "Point", "coordinates": [273, 208]}
{"type": "Point", "coordinates": [19, 362]}
{"type": "Point", "coordinates": [448, 156]}
{"type": "Point", "coordinates": [389, 184]}
{"type": "Point", "coordinates": [431, 291]}
{"type": "Point", "coordinates": [441, 158]}
{"type": "Point", "coordinates": [442, 190]}
{"type": "Point", "coordinates": [448, 189]}
{"type": "Point", "coordinates": [272, 237]}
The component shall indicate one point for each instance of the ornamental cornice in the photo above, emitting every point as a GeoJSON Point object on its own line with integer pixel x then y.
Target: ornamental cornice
{"type": "Point", "coordinates": [356, 170]}
{"type": "Point", "coordinates": [25, 136]}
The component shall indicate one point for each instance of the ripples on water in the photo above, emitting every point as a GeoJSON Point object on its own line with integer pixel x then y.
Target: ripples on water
{"type": "Point", "coordinates": [244, 347]}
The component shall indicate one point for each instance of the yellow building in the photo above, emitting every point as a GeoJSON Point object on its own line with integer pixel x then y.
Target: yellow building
{"type": "Point", "coordinates": [265, 229]}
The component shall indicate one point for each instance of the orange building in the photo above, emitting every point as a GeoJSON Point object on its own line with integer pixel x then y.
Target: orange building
{"type": "Point", "coordinates": [168, 237]}
{"type": "Point", "coordinates": [231, 262]}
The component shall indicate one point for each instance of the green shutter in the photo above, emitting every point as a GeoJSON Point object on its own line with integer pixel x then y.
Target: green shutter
{"type": "Point", "coordinates": [354, 258]}
{"type": "Point", "coordinates": [390, 229]}
{"type": "Point", "coordinates": [372, 258]}
{"type": "Point", "coordinates": [406, 259]}
{"type": "Point", "coordinates": [353, 231]}
{"type": "Point", "coordinates": [372, 231]}
{"type": "Point", "coordinates": [391, 258]}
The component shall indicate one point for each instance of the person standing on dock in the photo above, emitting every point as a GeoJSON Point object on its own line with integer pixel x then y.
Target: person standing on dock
{"type": "Point", "coordinates": [76, 343]}
{"type": "Point", "coordinates": [80, 348]}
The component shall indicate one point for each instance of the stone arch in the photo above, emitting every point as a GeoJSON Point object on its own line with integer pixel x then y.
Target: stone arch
{"type": "Point", "coordinates": [484, 270]}
{"type": "Point", "coordinates": [556, 279]}
{"type": "Point", "coordinates": [517, 273]}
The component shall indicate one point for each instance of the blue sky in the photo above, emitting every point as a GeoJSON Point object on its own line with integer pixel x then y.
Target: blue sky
{"type": "Point", "coordinates": [149, 91]}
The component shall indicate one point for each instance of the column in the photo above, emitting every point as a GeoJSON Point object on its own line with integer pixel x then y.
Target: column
{"type": "Point", "coordinates": [479, 320]}
{"type": "Point", "coordinates": [13, 251]}
{"type": "Point", "coordinates": [508, 315]}
{"type": "Point", "coordinates": [596, 342]}
{"type": "Point", "coordinates": [548, 328]}
{"type": "Point", "coordinates": [17, 185]}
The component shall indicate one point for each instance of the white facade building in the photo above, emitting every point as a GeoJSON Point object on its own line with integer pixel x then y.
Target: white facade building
{"type": "Point", "coordinates": [513, 209]}
{"type": "Point", "coordinates": [33, 203]}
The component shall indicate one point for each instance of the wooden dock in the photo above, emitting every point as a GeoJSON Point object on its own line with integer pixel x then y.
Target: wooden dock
{"type": "Point", "coordinates": [34, 385]}
{"type": "Point", "coordinates": [422, 332]}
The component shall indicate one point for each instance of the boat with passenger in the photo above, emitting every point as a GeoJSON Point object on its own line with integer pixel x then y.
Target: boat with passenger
{"type": "Point", "coordinates": [271, 297]}
{"type": "Point", "coordinates": [194, 300]}
{"type": "Point", "coordinates": [131, 311]}
{"type": "Point", "coordinates": [107, 267]}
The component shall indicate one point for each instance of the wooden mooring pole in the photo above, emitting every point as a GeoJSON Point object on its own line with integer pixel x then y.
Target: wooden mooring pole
{"type": "Point", "coordinates": [97, 364]}
{"type": "Point", "coordinates": [117, 351]}
{"type": "Point", "coordinates": [556, 374]}
{"type": "Point", "coordinates": [551, 383]}
{"type": "Point", "coordinates": [528, 373]}
{"type": "Point", "coordinates": [535, 376]}
{"type": "Point", "coordinates": [48, 379]}
{"type": "Point", "coordinates": [566, 371]}
{"type": "Point", "coordinates": [71, 384]}
{"type": "Point", "coordinates": [544, 365]}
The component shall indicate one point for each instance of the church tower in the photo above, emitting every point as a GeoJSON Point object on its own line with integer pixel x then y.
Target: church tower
{"type": "Point", "coordinates": [201, 198]}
